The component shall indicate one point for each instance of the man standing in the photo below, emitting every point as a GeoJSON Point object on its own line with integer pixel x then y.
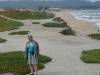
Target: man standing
{"type": "Point", "coordinates": [31, 54]}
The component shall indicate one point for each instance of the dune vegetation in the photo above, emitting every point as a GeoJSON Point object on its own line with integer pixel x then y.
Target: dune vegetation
{"type": "Point", "coordinates": [19, 33]}
{"type": "Point", "coordinates": [2, 40]}
{"type": "Point", "coordinates": [14, 62]}
{"type": "Point", "coordinates": [95, 36]}
{"type": "Point", "coordinates": [35, 22]}
{"type": "Point", "coordinates": [21, 15]}
{"type": "Point", "coordinates": [91, 56]}
{"type": "Point", "coordinates": [55, 24]}
{"type": "Point", "coordinates": [6, 25]}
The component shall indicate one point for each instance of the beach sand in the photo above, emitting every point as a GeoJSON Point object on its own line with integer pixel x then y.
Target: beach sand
{"type": "Point", "coordinates": [80, 26]}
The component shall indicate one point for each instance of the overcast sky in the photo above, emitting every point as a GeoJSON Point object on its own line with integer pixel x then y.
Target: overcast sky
{"type": "Point", "coordinates": [18, 0]}
{"type": "Point", "coordinates": [93, 0]}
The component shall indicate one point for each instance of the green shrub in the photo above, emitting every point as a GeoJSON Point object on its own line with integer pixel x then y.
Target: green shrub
{"type": "Point", "coordinates": [67, 31]}
{"type": "Point", "coordinates": [6, 25]}
{"type": "Point", "coordinates": [55, 24]}
{"type": "Point", "coordinates": [15, 63]}
{"type": "Point", "coordinates": [91, 56]}
{"type": "Point", "coordinates": [2, 40]}
{"type": "Point", "coordinates": [95, 36]}
{"type": "Point", "coordinates": [21, 15]}
{"type": "Point", "coordinates": [35, 22]}
{"type": "Point", "coordinates": [58, 19]}
{"type": "Point", "coordinates": [19, 33]}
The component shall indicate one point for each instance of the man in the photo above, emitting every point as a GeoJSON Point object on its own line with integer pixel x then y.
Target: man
{"type": "Point", "coordinates": [31, 54]}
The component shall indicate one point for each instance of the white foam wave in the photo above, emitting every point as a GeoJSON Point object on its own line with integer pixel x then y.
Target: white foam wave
{"type": "Point", "coordinates": [88, 15]}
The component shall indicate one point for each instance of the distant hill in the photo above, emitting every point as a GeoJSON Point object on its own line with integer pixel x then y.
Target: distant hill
{"type": "Point", "coordinates": [97, 3]}
{"type": "Point", "coordinates": [75, 4]}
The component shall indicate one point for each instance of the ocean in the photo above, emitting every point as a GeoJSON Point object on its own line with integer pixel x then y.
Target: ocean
{"type": "Point", "coordinates": [88, 15]}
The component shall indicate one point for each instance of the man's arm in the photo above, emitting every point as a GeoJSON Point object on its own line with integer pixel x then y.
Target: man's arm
{"type": "Point", "coordinates": [37, 47]}
{"type": "Point", "coordinates": [26, 52]}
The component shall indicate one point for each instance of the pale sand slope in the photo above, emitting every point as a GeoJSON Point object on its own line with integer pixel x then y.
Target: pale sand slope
{"type": "Point", "coordinates": [76, 24]}
{"type": "Point", "coordinates": [64, 50]}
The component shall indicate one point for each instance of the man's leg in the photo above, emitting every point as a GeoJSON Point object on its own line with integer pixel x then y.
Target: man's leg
{"type": "Point", "coordinates": [31, 69]}
{"type": "Point", "coordinates": [36, 69]}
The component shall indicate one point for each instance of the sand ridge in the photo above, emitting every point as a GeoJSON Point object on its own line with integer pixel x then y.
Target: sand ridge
{"type": "Point", "coordinates": [80, 26]}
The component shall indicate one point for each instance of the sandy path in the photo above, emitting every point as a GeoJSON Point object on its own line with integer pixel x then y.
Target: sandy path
{"type": "Point", "coordinates": [64, 50]}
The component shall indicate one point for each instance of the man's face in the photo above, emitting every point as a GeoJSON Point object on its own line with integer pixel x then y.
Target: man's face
{"type": "Point", "coordinates": [30, 39]}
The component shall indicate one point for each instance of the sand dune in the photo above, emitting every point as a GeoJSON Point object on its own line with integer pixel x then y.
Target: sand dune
{"type": "Point", "coordinates": [80, 26]}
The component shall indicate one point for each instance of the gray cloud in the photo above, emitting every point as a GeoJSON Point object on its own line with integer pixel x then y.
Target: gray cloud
{"type": "Point", "coordinates": [45, 0]}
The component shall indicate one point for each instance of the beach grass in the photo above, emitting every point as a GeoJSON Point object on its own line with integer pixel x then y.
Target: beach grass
{"type": "Point", "coordinates": [35, 22]}
{"type": "Point", "coordinates": [95, 36]}
{"type": "Point", "coordinates": [55, 24]}
{"type": "Point", "coordinates": [67, 31]}
{"type": "Point", "coordinates": [6, 25]}
{"type": "Point", "coordinates": [19, 33]}
{"type": "Point", "coordinates": [14, 62]}
{"type": "Point", "coordinates": [91, 56]}
{"type": "Point", "coordinates": [22, 15]}
{"type": "Point", "coordinates": [58, 19]}
{"type": "Point", "coordinates": [2, 40]}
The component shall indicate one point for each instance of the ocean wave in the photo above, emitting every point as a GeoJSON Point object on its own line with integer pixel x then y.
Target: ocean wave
{"type": "Point", "coordinates": [88, 15]}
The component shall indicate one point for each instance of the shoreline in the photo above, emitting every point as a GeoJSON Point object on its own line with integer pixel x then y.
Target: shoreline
{"type": "Point", "coordinates": [79, 25]}
{"type": "Point", "coordinates": [87, 20]}
{"type": "Point", "coordinates": [77, 17]}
